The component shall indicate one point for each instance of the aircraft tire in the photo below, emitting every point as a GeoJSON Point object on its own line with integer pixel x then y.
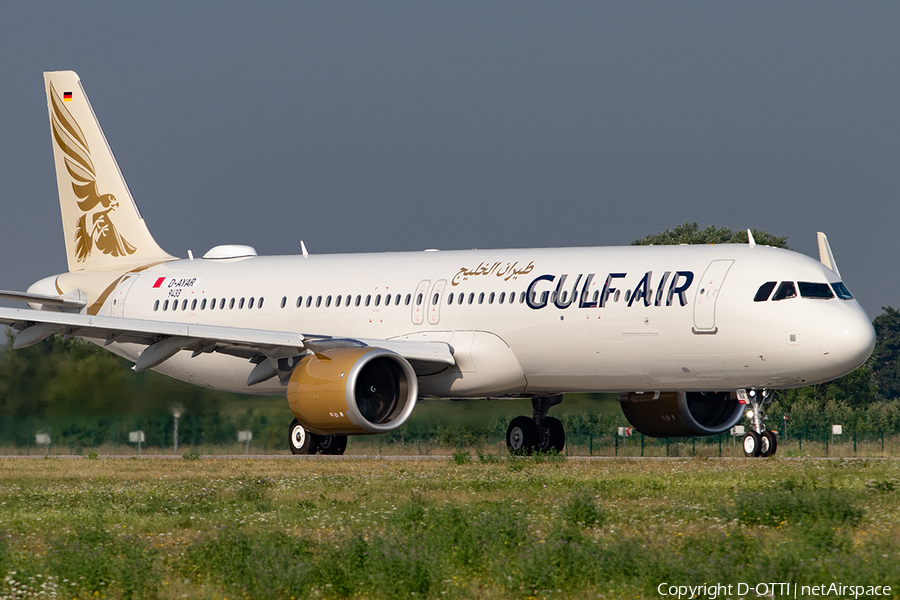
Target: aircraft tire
{"type": "Point", "coordinates": [522, 436]}
{"type": "Point", "coordinates": [557, 437]}
{"type": "Point", "coordinates": [751, 444]}
{"type": "Point", "coordinates": [333, 445]}
{"type": "Point", "coordinates": [300, 440]}
{"type": "Point", "coordinates": [769, 443]}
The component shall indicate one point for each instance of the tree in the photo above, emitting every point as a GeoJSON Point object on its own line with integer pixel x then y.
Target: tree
{"type": "Point", "coordinates": [884, 364]}
{"type": "Point", "coordinates": [59, 377]}
{"type": "Point", "coordinates": [690, 233]}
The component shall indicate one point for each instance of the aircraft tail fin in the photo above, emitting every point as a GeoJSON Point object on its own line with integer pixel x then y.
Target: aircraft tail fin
{"type": "Point", "coordinates": [103, 227]}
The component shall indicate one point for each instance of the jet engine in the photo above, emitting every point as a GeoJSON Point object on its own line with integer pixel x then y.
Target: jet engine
{"type": "Point", "coordinates": [352, 391]}
{"type": "Point", "coordinates": [681, 414]}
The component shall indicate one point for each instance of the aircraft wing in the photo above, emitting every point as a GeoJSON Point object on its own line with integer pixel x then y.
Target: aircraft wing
{"type": "Point", "coordinates": [164, 339]}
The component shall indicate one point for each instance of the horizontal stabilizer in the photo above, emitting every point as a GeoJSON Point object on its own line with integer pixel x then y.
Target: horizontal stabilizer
{"type": "Point", "coordinates": [60, 302]}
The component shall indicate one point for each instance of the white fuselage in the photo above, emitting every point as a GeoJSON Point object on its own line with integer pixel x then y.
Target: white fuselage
{"type": "Point", "coordinates": [531, 322]}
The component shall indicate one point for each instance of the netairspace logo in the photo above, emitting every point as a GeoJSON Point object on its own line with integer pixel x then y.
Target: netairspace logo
{"type": "Point", "coordinates": [772, 590]}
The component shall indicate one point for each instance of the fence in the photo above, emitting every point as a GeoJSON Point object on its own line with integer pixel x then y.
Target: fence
{"type": "Point", "coordinates": [587, 435]}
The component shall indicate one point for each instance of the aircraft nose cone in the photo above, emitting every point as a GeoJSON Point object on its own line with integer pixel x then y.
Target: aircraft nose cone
{"type": "Point", "coordinates": [854, 339]}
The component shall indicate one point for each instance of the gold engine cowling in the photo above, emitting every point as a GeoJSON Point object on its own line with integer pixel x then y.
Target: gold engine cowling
{"type": "Point", "coordinates": [352, 391]}
{"type": "Point", "coordinates": [682, 414]}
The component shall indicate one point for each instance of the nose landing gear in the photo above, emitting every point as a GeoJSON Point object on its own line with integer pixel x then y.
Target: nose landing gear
{"type": "Point", "coordinates": [539, 433]}
{"type": "Point", "coordinates": [759, 441]}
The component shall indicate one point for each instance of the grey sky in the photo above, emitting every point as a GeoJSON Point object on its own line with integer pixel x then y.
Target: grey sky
{"type": "Point", "coordinates": [372, 126]}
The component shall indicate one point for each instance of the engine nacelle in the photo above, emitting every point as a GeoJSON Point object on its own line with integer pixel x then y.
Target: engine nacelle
{"type": "Point", "coordinates": [682, 414]}
{"type": "Point", "coordinates": [352, 391]}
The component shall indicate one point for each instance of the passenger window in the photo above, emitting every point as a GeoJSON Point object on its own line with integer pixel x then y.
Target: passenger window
{"type": "Point", "coordinates": [841, 290]}
{"type": "Point", "coordinates": [284, 302]}
{"type": "Point", "coordinates": [250, 305]}
{"type": "Point", "coordinates": [419, 300]}
{"type": "Point", "coordinates": [212, 305]}
{"type": "Point", "coordinates": [449, 299]}
{"type": "Point", "coordinates": [502, 298]}
{"type": "Point", "coordinates": [222, 304]}
{"type": "Point", "coordinates": [397, 300]}
{"type": "Point", "coordinates": [165, 304]}
{"type": "Point", "coordinates": [408, 299]}
{"type": "Point", "coordinates": [241, 304]}
{"type": "Point", "coordinates": [377, 299]}
{"type": "Point", "coordinates": [328, 301]}
{"type": "Point", "coordinates": [260, 303]}
{"type": "Point", "coordinates": [461, 298]}
{"type": "Point", "coordinates": [764, 291]}
{"type": "Point", "coordinates": [156, 305]}
{"type": "Point", "coordinates": [815, 290]}
{"type": "Point", "coordinates": [471, 297]}
{"type": "Point", "coordinates": [481, 298]}
{"type": "Point", "coordinates": [368, 299]}
{"type": "Point", "coordinates": [318, 301]}
{"type": "Point", "coordinates": [174, 305]}
{"type": "Point", "coordinates": [358, 300]}
{"type": "Point", "coordinates": [203, 304]}
{"type": "Point", "coordinates": [299, 301]}
{"type": "Point", "coordinates": [434, 299]}
{"type": "Point", "coordinates": [194, 304]}
{"type": "Point", "coordinates": [491, 298]}
{"type": "Point", "coordinates": [785, 290]}
{"type": "Point", "coordinates": [387, 300]}
{"type": "Point", "coordinates": [308, 301]}
{"type": "Point", "coordinates": [337, 303]}
{"type": "Point", "coordinates": [184, 304]}
{"type": "Point", "coordinates": [522, 298]}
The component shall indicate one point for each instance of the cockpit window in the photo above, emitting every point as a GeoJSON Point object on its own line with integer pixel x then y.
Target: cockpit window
{"type": "Point", "coordinates": [815, 290]}
{"type": "Point", "coordinates": [841, 290]}
{"type": "Point", "coordinates": [764, 291]}
{"type": "Point", "coordinates": [785, 290]}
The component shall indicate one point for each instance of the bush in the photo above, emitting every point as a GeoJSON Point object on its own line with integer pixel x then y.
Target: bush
{"type": "Point", "coordinates": [461, 457]}
{"type": "Point", "coordinates": [797, 504]}
{"type": "Point", "coordinates": [582, 509]}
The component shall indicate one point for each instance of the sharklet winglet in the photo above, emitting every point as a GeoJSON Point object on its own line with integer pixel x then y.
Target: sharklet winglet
{"type": "Point", "coordinates": [825, 254]}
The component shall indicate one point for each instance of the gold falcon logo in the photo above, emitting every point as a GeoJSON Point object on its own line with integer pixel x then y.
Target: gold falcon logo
{"type": "Point", "coordinates": [95, 228]}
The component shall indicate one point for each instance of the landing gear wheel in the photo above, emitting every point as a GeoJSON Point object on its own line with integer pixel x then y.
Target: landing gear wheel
{"type": "Point", "coordinates": [556, 438]}
{"type": "Point", "coordinates": [769, 443]}
{"type": "Point", "coordinates": [331, 444]}
{"type": "Point", "coordinates": [522, 436]}
{"type": "Point", "coordinates": [300, 440]}
{"type": "Point", "coordinates": [751, 444]}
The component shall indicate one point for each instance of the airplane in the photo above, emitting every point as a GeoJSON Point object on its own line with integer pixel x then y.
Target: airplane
{"type": "Point", "coordinates": [689, 336]}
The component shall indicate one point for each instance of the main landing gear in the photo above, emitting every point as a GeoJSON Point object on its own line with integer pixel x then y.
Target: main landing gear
{"type": "Point", "coordinates": [539, 433]}
{"type": "Point", "coordinates": [759, 441]}
{"type": "Point", "coordinates": [302, 441]}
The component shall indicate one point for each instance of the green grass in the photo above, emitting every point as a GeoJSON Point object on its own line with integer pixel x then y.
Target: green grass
{"type": "Point", "coordinates": [494, 527]}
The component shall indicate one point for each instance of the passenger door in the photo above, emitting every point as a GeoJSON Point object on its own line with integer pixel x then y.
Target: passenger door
{"type": "Point", "coordinates": [708, 294]}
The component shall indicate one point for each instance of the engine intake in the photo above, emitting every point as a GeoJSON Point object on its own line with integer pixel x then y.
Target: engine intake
{"type": "Point", "coordinates": [352, 391]}
{"type": "Point", "coordinates": [682, 414]}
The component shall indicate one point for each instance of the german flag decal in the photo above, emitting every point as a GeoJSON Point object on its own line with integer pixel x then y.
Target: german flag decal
{"type": "Point", "coordinates": [67, 96]}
